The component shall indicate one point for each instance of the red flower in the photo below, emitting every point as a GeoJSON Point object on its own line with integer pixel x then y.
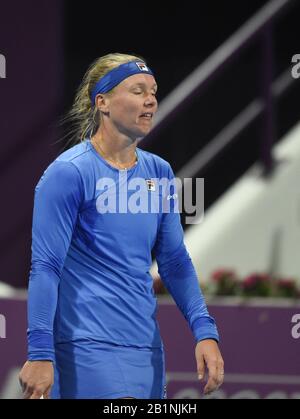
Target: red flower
{"type": "Point", "coordinates": [222, 273]}
{"type": "Point", "coordinates": [257, 284]}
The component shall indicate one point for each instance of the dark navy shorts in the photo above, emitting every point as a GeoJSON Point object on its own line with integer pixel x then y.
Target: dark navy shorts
{"type": "Point", "coordinates": [94, 370]}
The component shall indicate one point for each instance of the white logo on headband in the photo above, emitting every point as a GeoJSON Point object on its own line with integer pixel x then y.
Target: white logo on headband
{"type": "Point", "coordinates": [142, 66]}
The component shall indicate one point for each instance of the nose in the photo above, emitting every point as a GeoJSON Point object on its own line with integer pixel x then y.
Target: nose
{"type": "Point", "coordinates": [150, 101]}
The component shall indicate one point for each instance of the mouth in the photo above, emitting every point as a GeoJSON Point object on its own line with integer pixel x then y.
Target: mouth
{"type": "Point", "coordinates": [147, 115]}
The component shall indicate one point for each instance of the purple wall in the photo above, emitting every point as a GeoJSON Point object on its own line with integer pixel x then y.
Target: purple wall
{"type": "Point", "coordinates": [13, 346]}
{"type": "Point", "coordinates": [261, 356]}
{"type": "Point", "coordinates": [30, 39]}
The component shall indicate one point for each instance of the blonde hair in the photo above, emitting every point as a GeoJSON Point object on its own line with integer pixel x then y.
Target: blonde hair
{"type": "Point", "coordinates": [83, 115]}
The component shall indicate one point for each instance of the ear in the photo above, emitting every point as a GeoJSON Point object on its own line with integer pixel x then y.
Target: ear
{"type": "Point", "coordinates": [102, 103]}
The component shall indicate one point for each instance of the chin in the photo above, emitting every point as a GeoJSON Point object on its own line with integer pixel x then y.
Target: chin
{"type": "Point", "coordinates": [147, 130]}
{"type": "Point", "coordinates": [141, 134]}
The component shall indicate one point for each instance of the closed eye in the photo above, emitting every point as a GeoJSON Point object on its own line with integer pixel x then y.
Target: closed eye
{"type": "Point", "coordinates": [141, 91]}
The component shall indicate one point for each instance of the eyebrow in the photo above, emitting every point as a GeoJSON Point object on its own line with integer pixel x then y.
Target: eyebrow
{"type": "Point", "coordinates": [143, 85]}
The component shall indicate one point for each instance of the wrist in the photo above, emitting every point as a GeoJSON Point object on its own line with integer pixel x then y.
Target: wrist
{"type": "Point", "coordinates": [205, 328]}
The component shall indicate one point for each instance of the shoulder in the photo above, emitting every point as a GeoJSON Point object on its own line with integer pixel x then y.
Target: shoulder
{"type": "Point", "coordinates": [67, 167]}
{"type": "Point", "coordinates": [60, 175]}
{"type": "Point", "coordinates": [161, 166]}
{"type": "Point", "coordinates": [77, 154]}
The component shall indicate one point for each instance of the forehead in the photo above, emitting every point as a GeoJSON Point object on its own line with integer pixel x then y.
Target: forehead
{"type": "Point", "coordinates": [146, 79]}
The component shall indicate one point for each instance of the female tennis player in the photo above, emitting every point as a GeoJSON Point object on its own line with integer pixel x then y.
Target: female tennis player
{"type": "Point", "coordinates": [99, 211]}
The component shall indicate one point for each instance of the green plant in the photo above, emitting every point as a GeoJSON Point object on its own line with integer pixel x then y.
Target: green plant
{"type": "Point", "coordinates": [257, 285]}
{"type": "Point", "coordinates": [225, 282]}
{"type": "Point", "coordinates": [287, 287]}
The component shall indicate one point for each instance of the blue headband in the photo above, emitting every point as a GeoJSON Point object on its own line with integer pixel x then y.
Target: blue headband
{"type": "Point", "coordinates": [118, 74]}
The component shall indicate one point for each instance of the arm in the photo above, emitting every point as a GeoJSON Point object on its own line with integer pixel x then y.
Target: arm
{"type": "Point", "coordinates": [178, 274]}
{"type": "Point", "coordinates": [57, 200]}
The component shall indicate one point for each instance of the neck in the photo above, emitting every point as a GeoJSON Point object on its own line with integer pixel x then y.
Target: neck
{"type": "Point", "coordinates": [119, 148]}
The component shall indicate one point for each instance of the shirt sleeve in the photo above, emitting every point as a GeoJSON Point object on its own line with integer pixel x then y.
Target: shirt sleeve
{"type": "Point", "coordinates": [56, 204]}
{"type": "Point", "coordinates": [178, 273]}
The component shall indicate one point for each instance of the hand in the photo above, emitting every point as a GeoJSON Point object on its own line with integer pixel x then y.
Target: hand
{"type": "Point", "coordinates": [208, 355]}
{"type": "Point", "coordinates": [36, 379]}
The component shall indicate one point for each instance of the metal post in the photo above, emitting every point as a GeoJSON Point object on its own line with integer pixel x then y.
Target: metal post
{"type": "Point", "coordinates": [268, 132]}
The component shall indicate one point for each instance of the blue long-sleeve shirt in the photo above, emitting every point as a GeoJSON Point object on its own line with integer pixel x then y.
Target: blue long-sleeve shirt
{"type": "Point", "coordinates": [91, 258]}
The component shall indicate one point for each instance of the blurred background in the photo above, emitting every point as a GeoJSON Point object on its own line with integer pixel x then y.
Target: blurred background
{"type": "Point", "coordinates": [229, 113]}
